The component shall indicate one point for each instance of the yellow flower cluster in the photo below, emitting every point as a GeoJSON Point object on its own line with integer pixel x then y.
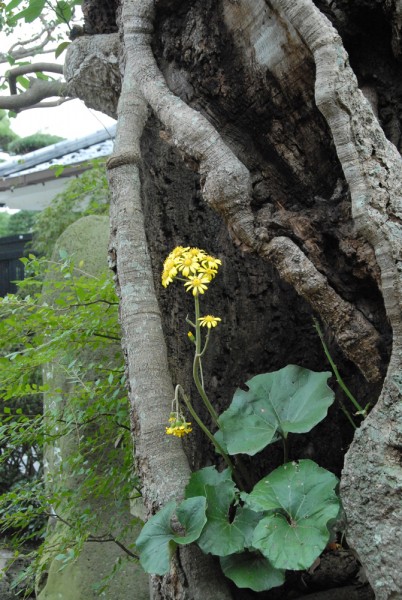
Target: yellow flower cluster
{"type": "Point", "coordinates": [194, 265]}
{"type": "Point", "coordinates": [178, 427]}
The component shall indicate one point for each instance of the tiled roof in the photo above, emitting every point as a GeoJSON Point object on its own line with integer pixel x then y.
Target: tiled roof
{"type": "Point", "coordinates": [31, 181]}
{"type": "Point", "coordinates": [69, 152]}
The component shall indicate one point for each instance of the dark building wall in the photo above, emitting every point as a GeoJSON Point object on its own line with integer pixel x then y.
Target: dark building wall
{"type": "Point", "coordinates": [12, 248]}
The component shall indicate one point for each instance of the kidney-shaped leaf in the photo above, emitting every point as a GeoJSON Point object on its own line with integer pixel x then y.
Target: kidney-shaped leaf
{"type": "Point", "coordinates": [223, 534]}
{"type": "Point", "coordinates": [251, 570]}
{"type": "Point", "coordinates": [291, 400]}
{"type": "Point", "coordinates": [206, 476]}
{"type": "Point", "coordinates": [301, 500]}
{"type": "Point", "coordinates": [157, 540]}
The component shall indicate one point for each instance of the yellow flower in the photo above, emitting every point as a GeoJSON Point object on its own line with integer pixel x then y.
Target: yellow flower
{"type": "Point", "coordinates": [178, 427]}
{"type": "Point", "coordinates": [197, 253]}
{"type": "Point", "coordinates": [208, 272]}
{"type": "Point", "coordinates": [169, 271]}
{"type": "Point", "coordinates": [197, 284]}
{"type": "Point", "coordinates": [188, 264]}
{"type": "Point", "coordinates": [166, 279]}
{"type": "Point", "coordinates": [170, 264]}
{"type": "Point", "coordinates": [178, 251]}
{"type": "Point", "coordinates": [209, 321]}
{"type": "Point", "coordinates": [211, 262]}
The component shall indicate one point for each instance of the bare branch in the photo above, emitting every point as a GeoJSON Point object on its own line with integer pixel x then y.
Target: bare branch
{"type": "Point", "coordinates": [39, 90]}
{"type": "Point", "coordinates": [47, 104]}
{"type": "Point", "coordinates": [35, 68]}
{"type": "Point", "coordinates": [21, 49]}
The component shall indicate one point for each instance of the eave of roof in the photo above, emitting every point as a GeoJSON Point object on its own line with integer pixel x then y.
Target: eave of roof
{"type": "Point", "coordinates": [34, 160]}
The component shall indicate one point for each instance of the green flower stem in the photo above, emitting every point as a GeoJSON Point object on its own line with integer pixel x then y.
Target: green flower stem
{"type": "Point", "coordinates": [206, 343]}
{"type": "Point", "coordinates": [285, 442]}
{"type": "Point", "coordinates": [203, 427]}
{"type": "Point", "coordinates": [339, 379]}
{"type": "Point", "coordinates": [190, 322]}
{"type": "Point", "coordinates": [197, 368]}
{"type": "Point", "coordinates": [347, 414]}
{"type": "Point", "coordinates": [197, 325]}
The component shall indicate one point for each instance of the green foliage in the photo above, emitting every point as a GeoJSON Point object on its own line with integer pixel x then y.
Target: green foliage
{"type": "Point", "coordinates": [291, 400]}
{"type": "Point", "coordinates": [7, 136]}
{"type": "Point", "coordinates": [60, 11]}
{"type": "Point", "coordinates": [32, 142]}
{"type": "Point", "coordinates": [21, 222]}
{"type": "Point", "coordinates": [60, 49]}
{"type": "Point", "coordinates": [207, 476]}
{"type": "Point", "coordinates": [4, 219]}
{"type": "Point", "coordinates": [85, 195]}
{"type": "Point", "coordinates": [251, 570]}
{"type": "Point", "coordinates": [299, 500]}
{"type": "Point", "coordinates": [71, 328]}
{"type": "Point", "coordinates": [284, 522]}
{"type": "Point", "coordinates": [221, 536]}
{"type": "Point", "coordinates": [157, 540]}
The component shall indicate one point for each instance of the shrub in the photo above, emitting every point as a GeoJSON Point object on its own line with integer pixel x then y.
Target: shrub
{"type": "Point", "coordinates": [32, 142]}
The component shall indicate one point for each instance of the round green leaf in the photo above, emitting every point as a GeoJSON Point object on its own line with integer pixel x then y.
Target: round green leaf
{"type": "Point", "coordinates": [251, 570]}
{"type": "Point", "coordinates": [291, 400]}
{"type": "Point", "coordinates": [203, 477]}
{"type": "Point", "coordinates": [221, 535]}
{"type": "Point", "coordinates": [157, 540]}
{"type": "Point", "coordinates": [302, 500]}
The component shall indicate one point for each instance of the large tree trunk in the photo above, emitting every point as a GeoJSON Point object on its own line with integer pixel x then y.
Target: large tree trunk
{"type": "Point", "coordinates": [242, 130]}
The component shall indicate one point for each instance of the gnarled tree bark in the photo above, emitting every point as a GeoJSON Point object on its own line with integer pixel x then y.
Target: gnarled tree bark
{"type": "Point", "coordinates": [244, 117]}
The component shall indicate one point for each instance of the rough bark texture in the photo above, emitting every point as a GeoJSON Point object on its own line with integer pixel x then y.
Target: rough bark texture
{"type": "Point", "coordinates": [260, 147]}
{"type": "Point", "coordinates": [372, 167]}
{"type": "Point", "coordinates": [92, 72]}
{"type": "Point", "coordinates": [160, 460]}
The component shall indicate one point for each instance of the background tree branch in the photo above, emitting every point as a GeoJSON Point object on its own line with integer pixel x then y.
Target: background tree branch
{"type": "Point", "coordinates": [12, 74]}
{"type": "Point", "coordinates": [38, 90]}
{"type": "Point", "coordinates": [21, 49]}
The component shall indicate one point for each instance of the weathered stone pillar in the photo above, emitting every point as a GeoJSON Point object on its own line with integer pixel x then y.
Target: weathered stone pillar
{"type": "Point", "coordinates": [87, 241]}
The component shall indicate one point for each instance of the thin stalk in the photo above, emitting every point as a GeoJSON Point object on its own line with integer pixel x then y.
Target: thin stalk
{"type": "Point", "coordinates": [285, 443]}
{"type": "Point", "coordinates": [347, 414]}
{"type": "Point", "coordinates": [204, 428]}
{"type": "Point", "coordinates": [197, 364]}
{"type": "Point", "coordinates": [339, 379]}
{"type": "Point", "coordinates": [206, 343]}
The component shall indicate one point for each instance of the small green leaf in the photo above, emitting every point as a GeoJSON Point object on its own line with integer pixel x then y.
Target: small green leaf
{"type": "Point", "coordinates": [13, 4]}
{"type": "Point", "coordinates": [60, 557]}
{"type": "Point", "coordinates": [32, 12]}
{"type": "Point", "coordinates": [63, 254]}
{"type": "Point", "coordinates": [63, 11]}
{"type": "Point", "coordinates": [301, 500]}
{"type": "Point", "coordinates": [251, 570]}
{"type": "Point", "coordinates": [23, 81]}
{"type": "Point", "coordinates": [60, 48]}
{"type": "Point", "coordinates": [291, 400]}
{"type": "Point", "coordinates": [157, 540]}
